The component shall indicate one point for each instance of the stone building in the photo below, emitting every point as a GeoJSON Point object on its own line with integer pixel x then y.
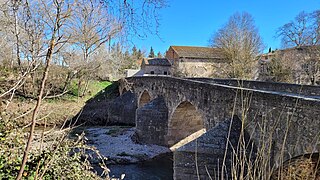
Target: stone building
{"type": "Point", "coordinates": [300, 64]}
{"type": "Point", "coordinates": [151, 66]}
{"type": "Point", "coordinates": [156, 66]}
{"type": "Point", "coordinates": [190, 61]}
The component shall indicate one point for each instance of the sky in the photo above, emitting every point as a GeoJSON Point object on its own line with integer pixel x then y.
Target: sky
{"type": "Point", "coordinates": [192, 22]}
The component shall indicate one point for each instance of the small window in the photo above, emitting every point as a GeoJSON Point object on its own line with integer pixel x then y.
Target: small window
{"type": "Point", "coordinates": [152, 72]}
{"type": "Point", "coordinates": [165, 73]}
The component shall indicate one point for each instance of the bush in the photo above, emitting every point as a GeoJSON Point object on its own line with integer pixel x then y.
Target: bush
{"type": "Point", "coordinates": [57, 158]}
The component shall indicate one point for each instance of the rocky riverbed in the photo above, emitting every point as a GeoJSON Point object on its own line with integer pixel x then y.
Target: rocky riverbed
{"type": "Point", "coordinates": [116, 143]}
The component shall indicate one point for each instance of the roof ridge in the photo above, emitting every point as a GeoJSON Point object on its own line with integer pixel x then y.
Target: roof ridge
{"type": "Point", "coordinates": [197, 52]}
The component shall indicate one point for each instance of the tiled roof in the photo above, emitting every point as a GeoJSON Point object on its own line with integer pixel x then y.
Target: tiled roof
{"type": "Point", "coordinates": [157, 62]}
{"type": "Point", "coordinates": [198, 52]}
{"type": "Point", "coordinates": [301, 48]}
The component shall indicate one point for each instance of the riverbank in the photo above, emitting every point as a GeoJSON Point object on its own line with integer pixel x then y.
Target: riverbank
{"type": "Point", "coordinates": [116, 143]}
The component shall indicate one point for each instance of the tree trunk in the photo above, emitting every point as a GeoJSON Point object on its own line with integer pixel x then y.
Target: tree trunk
{"type": "Point", "coordinates": [35, 111]}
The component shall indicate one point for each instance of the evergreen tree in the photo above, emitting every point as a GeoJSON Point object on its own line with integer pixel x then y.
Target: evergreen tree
{"type": "Point", "coordinates": [139, 55]}
{"type": "Point", "coordinates": [126, 53]}
{"type": "Point", "coordinates": [151, 54]}
{"type": "Point", "coordinates": [159, 55]}
{"type": "Point", "coordinates": [134, 51]}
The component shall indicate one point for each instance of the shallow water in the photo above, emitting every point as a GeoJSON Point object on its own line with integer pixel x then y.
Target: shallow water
{"type": "Point", "coordinates": [157, 169]}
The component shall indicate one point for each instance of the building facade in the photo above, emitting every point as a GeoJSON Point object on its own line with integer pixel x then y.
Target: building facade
{"type": "Point", "coordinates": [190, 61]}
{"type": "Point", "coordinates": [299, 65]}
{"type": "Point", "coordinates": [156, 66]}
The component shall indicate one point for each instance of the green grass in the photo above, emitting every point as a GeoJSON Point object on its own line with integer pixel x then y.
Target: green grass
{"type": "Point", "coordinates": [94, 88]}
{"type": "Point", "coordinates": [101, 84]}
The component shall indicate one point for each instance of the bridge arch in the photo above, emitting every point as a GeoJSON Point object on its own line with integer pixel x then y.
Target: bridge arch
{"type": "Point", "coordinates": [185, 120]}
{"type": "Point", "coordinates": [144, 98]}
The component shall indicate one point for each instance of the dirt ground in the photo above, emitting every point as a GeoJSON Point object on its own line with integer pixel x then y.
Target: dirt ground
{"type": "Point", "coordinates": [52, 113]}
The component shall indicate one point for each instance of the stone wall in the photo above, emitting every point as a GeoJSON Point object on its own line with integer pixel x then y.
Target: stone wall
{"type": "Point", "coordinates": [152, 120]}
{"type": "Point", "coordinates": [307, 90]}
{"type": "Point", "coordinates": [184, 122]}
{"type": "Point", "coordinates": [198, 68]}
{"type": "Point", "coordinates": [157, 70]}
{"type": "Point", "coordinates": [194, 69]}
{"type": "Point", "coordinates": [122, 110]}
{"type": "Point", "coordinates": [281, 125]}
{"type": "Point", "coordinates": [210, 155]}
{"type": "Point", "coordinates": [281, 115]}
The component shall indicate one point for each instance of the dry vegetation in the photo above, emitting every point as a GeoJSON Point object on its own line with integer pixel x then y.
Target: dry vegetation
{"type": "Point", "coordinates": [253, 158]}
{"type": "Point", "coordinates": [53, 57]}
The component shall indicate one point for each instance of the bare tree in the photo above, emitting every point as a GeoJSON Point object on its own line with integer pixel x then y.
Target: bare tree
{"type": "Point", "coordinates": [91, 26]}
{"type": "Point", "coordinates": [295, 65]}
{"type": "Point", "coordinates": [240, 42]}
{"type": "Point", "coordinates": [35, 31]}
{"type": "Point", "coordinates": [302, 35]}
{"type": "Point", "coordinates": [137, 18]}
{"type": "Point", "coordinates": [6, 42]}
{"type": "Point", "coordinates": [302, 31]}
{"type": "Point", "coordinates": [55, 14]}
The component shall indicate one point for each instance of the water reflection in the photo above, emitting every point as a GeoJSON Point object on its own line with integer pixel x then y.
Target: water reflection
{"type": "Point", "coordinates": [157, 169]}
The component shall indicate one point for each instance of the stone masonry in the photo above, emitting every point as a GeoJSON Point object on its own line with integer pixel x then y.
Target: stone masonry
{"type": "Point", "coordinates": [285, 121]}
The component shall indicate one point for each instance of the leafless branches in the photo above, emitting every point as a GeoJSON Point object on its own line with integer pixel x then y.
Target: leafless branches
{"type": "Point", "coordinates": [240, 41]}
{"type": "Point", "coordinates": [61, 11]}
{"type": "Point", "coordinates": [303, 30]}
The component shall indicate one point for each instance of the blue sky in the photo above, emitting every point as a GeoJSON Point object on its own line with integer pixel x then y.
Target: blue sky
{"type": "Point", "coordinates": [191, 22]}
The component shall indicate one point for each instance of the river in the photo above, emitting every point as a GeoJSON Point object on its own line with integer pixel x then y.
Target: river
{"type": "Point", "coordinates": [157, 169]}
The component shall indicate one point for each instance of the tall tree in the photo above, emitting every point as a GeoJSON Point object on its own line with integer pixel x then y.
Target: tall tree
{"type": "Point", "coordinates": [134, 51]}
{"type": "Point", "coordinates": [159, 55]}
{"type": "Point", "coordinates": [37, 32]}
{"type": "Point", "coordinates": [303, 34]}
{"type": "Point", "coordinates": [151, 53]}
{"type": "Point", "coordinates": [140, 54]}
{"type": "Point", "coordinates": [303, 30]}
{"type": "Point", "coordinates": [90, 27]}
{"type": "Point", "coordinates": [240, 42]}
{"type": "Point", "coordinates": [55, 19]}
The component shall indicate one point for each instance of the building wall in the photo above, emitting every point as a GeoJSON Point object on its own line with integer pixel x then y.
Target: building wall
{"type": "Point", "coordinates": [196, 68]}
{"type": "Point", "coordinates": [171, 54]}
{"type": "Point", "coordinates": [157, 70]}
{"type": "Point", "coordinates": [294, 60]}
{"type": "Point", "coordinates": [134, 72]}
{"type": "Point", "coordinates": [189, 67]}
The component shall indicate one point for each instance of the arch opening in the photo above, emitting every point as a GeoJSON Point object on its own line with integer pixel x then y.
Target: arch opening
{"type": "Point", "coordinates": [186, 120]}
{"type": "Point", "coordinates": [144, 99]}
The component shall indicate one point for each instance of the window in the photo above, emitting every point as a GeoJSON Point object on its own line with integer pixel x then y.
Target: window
{"type": "Point", "coordinates": [165, 73]}
{"type": "Point", "coordinates": [152, 72]}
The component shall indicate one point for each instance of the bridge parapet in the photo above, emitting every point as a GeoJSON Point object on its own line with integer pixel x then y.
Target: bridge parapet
{"type": "Point", "coordinates": [306, 90]}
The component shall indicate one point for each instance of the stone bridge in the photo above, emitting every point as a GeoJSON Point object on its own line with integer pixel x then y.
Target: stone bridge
{"type": "Point", "coordinates": [274, 120]}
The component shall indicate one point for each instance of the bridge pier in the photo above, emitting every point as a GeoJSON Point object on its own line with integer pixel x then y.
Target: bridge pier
{"type": "Point", "coordinates": [152, 122]}
{"type": "Point", "coordinates": [214, 154]}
